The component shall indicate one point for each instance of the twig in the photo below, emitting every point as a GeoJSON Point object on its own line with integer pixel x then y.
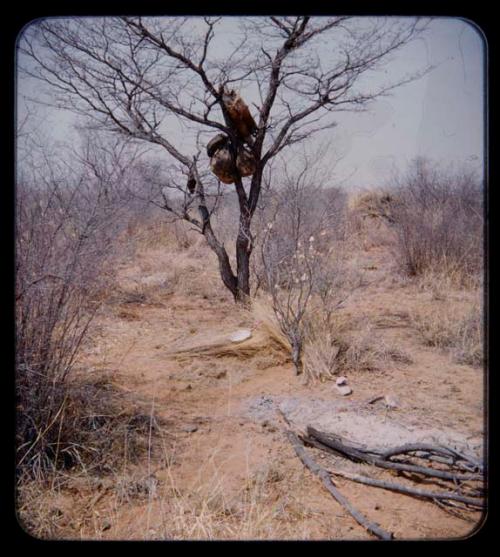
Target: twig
{"type": "Point", "coordinates": [454, 510]}
{"type": "Point", "coordinates": [374, 399]}
{"type": "Point", "coordinates": [327, 482]}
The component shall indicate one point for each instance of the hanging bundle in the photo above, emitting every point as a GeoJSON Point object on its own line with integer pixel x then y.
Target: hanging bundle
{"type": "Point", "coordinates": [221, 160]}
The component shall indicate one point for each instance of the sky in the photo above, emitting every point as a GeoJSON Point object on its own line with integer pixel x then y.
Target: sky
{"type": "Point", "coordinates": [439, 116]}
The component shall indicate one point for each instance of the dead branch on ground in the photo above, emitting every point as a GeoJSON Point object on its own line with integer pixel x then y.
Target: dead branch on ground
{"type": "Point", "coordinates": [330, 486]}
{"type": "Point", "coordinates": [445, 456]}
{"type": "Point", "coordinates": [464, 497]}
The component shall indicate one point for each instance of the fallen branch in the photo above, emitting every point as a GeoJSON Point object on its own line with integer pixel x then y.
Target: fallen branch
{"type": "Point", "coordinates": [327, 482]}
{"type": "Point", "coordinates": [409, 490]}
{"type": "Point", "coordinates": [437, 450]}
{"type": "Point", "coordinates": [344, 448]}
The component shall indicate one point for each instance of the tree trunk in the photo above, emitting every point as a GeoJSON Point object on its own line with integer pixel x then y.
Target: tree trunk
{"type": "Point", "coordinates": [226, 273]}
{"type": "Point", "coordinates": [243, 252]}
{"type": "Point", "coordinates": [297, 356]}
{"type": "Point", "coordinates": [243, 263]}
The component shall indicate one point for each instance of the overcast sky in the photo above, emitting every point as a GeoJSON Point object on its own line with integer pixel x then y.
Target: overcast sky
{"type": "Point", "coordinates": [440, 116]}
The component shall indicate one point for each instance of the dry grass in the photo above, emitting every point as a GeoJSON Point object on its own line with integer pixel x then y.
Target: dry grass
{"type": "Point", "coordinates": [260, 508]}
{"type": "Point", "coordinates": [263, 314]}
{"type": "Point", "coordinates": [159, 232]}
{"type": "Point", "coordinates": [353, 347]}
{"type": "Point", "coordinates": [164, 508]}
{"type": "Point", "coordinates": [266, 337]}
{"type": "Point", "coordinates": [97, 427]}
{"type": "Point", "coordinates": [366, 351]}
{"type": "Point", "coordinates": [458, 329]}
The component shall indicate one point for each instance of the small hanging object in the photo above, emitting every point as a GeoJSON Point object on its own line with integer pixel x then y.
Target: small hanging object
{"type": "Point", "coordinates": [221, 160]}
{"type": "Point", "coordinates": [191, 183]}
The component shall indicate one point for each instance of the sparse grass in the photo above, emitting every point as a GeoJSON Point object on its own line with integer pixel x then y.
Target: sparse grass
{"type": "Point", "coordinates": [455, 328]}
{"type": "Point", "coordinates": [366, 351]}
{"type": "Point", "coordinates": [260, 509]}
{"type": "Point", "coordinates": [203, 509]}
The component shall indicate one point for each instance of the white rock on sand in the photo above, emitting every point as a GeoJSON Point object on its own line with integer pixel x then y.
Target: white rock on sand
{"type": "Point", "coordinates": [240, 335]}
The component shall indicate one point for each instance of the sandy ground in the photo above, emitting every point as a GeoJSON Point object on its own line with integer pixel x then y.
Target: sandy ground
{"type": "Point", "coordinates": [224, 439]}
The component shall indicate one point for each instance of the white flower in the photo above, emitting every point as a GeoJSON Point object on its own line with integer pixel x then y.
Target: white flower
{"type": "Point", "coordinates": [311, 238]}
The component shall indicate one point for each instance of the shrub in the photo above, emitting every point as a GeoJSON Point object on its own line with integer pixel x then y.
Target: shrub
{"type": "Point", "coordinates": [438, 219]}
{"type": "Point", "coordinates": [66, 225]}
{"type": "Point", "coordinates": [301, 260]}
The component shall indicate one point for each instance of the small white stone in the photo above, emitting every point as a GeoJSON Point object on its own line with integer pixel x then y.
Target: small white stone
{"type": "Point", "coordinates": [344, 390]}
{"type": "Point", "coordinates": [391, 401]}
{"type": "Point", "coordinates": [240, 335]}
{"type": "Point", "coordinates": [341, 381]}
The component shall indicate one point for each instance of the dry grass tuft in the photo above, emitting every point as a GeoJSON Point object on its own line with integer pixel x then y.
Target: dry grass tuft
{"type": "Point", "coordinates": [455, 328]}
{"type": "Point", "coordinates": [96, 428]}
{"type": "Point", "coordinates": [349, 345]}
{"type": "Point", "coordinates": [266, 338]}
{"type": "Point", "coordinates": [263, 314]}
{"type": "Point", "coordinates": [366, 351]}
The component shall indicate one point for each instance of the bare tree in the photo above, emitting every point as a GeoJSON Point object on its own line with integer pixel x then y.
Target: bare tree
{"type": "Point", "coordinates": [145, 77]}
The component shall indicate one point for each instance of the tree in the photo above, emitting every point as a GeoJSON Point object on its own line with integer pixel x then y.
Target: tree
{"type": "Point", "coordinates": [134, 76]}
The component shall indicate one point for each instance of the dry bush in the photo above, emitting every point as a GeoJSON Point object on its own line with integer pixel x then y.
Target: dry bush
{"type": "Point", "coordinates": [301, 252]}
{"type": "Point", "coordinates": [438, 220]}
{"type": "Point", "coordinates": [96, 430]}
{"type": "Point", "coordinates": [69, 213]}
{"type": "Point", "coordinates": [101, 434]}
{"type": "Point", "coordinates": [458, 329]}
